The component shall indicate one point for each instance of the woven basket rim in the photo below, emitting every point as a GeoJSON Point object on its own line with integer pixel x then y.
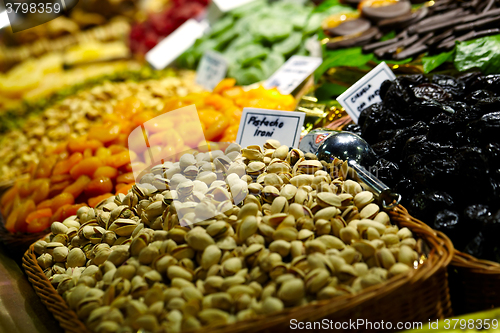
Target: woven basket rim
{"type": "Point", "coordinates": [439, 257]}
{"type": "Point", "coordinates": [481, 266]}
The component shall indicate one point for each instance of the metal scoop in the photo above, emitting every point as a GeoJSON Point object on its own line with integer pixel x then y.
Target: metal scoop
{"type": "Point", "coordinates": [357, 152]}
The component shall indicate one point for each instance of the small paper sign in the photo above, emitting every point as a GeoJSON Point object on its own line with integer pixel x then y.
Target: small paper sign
{"type": "Point", "coordinates": [293, 73]}
{"type": "Point", "coordinates": [365, 92]}
{"type": "Point", "coordinates": [175, 44]}
{"type": "Point", "coordinates": [211, 70]}
{"type": "Point", "coordinates": [259, 125]}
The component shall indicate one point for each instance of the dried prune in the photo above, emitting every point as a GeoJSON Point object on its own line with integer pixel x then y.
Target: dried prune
{"type": "Point", "coordinates": [485, 129]}
{"type": "Point", "coordinates": [447, 221]}
{"type": "Point", "coordinates": [387, 172]}
{"type": "Point", "coordinates": [353, 128]}
{"type": "Point", "coordinates": [438, 143]}
{"type": "Point", "coordinates": [452, 86]}
{"type": "Point", "coordinates": [442, 129]}
{"type": "Point", "coordinates": [430, 91]}
{"type": "Point", "coordinates": [397, 97]}
{"type": "Point", "coordinates": [426, 205]}
{"type": "Point", "coordinates": [441, 174]}
{"type": "Point", "coordinates": [479, 95]}
{"type": "Point", "coordinates": [490, 82]}
{"type": "Point", "coordinates": [419, 128]}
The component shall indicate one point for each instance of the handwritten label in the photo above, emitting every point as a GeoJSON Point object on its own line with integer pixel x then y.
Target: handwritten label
{"type": "Point", "coordinates": [293, 73]}
{"type": "Point", "coordinates": [175, 44]}
{"type": "Point", "coordinates": [259, 125]}
{"type": "Point", "coordinates": [217, 8]}
{"type": "Point", "coordinates": [365, 92]}
{"type": "Point", "coordinates": [211, 70]}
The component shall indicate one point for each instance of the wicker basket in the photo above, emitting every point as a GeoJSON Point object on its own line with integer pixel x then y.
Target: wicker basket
{"type": "Point", "coordinates": [418, 296]}
{"type": "Point", "coordinates": [474, 283]}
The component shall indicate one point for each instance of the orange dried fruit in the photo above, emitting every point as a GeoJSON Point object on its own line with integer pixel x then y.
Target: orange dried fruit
{"type": "Point", "coordinates": [86, 167]}
{"type": "Point", "coordinates": [65, 166]}
{"type": "Point", "coordinates": [78, 186]}
{"type": "Point", "coordinates": [105, 171]}
{"type": "Point", "coordinates": [61, 200]}
{"type": "Point", "coordinates": [98, 186]}
{"type": "Point", "coordinates": [96, 200]}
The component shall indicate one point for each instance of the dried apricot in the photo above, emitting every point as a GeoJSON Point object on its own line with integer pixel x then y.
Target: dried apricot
{"type": "Point", "coordinates": [39, 213]}
{"type": "Point", "coordinates": [102, 152]}
{"type": "Point", "coordinates": [77, 144]}
{"type": "Point", "coordinates": [40, 189]}
{"type": "Point", "coordinates": [10, 224]}
{"type": "Point", "coordinates": [9, 195]}
{"type": "Point", "coordinates": [98, 186]}
{"type": "Point", "coordinates": [44, 204]}
{"type": "Point", "coordinates": [65, 211]}
{"type": "Point", "coordinates": [223, 85]}
{"type": "Point", "coordinates": [124, 189]}
{"type": "Point", "coordinates": [118, 160]}
{"type": "Point", "coordinates": [38, 225]}
{"type": "Point", "coordinates": [45, 166]}
{"type": "Point", "coordinates": [56, 189]}
{"type": "Point", "coordinates": [22, 213]}
{"type": "Point", "coordinates": [86, 167]}
{"type": "Point", "coordinates": [115, 149]}
{"type": "Point", "coordinates": [104, 133]}
{"type": "Point", "coordinates": [54, 179]}
{"type": "Point", "coordinates": [65, 166]}
{"type": "Point", "coordinates": [126, 178]}
{"type": "Point", "coordinates": [96, 200]}
{"type": "Point", "coordinates": [61, 200]}
{"type": "Point", "coordinates": [217, 129]}
{"type": "Point", "coordinates": [78, 186]}
{"type": "Point", "coordinates": [105, 171]}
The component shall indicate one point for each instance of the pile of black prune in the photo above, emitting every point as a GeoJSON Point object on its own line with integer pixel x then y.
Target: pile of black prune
{"type": "Point", "coordinates": [438, 144]}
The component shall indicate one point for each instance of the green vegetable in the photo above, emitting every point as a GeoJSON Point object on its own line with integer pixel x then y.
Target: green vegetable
{"type": "Point", "coordinates": [250, 7]}
{"type": "Point", "coordinates": [289, 45]}
{"type": "Point", "coordinates": [251, 52]}
{"type": "Point", "coordinates": [221, 26]}
{"type": "Point", "coordinates": [432, 62]}
{"type": "Point", "coordinates": [272, 30]}
{"type": "Point", "coordinates": [248, 76]}
{"type": "Point", "coordinates": [272, 63]}
{"type": "Point", "coordinates": [223, 40]}
{"type": "Point", "coordinates": [482, 53]}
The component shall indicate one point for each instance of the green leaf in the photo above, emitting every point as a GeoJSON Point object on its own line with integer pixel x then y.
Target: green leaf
{"type": "Point", "coordinates": [482, 53]}
{"type": "Point", "coordinates": [388, 36]}
{"type": "Point", "coordinates": [329, 91]}
{"type": "Point", "coordinates": [326, 5]}
{"type": "Point", "coordinates": [352, 57]}
{"type": "Point", "coordinates": [432, 62]}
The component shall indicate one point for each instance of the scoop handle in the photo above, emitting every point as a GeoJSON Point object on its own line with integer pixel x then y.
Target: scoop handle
{"type": "Point", "coordinates": [388, 198]}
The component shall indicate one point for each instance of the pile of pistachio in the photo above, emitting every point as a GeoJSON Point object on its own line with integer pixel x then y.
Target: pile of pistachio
{"type": "Point", "coordinates": [177, 254]}
{"type": "Point", "coordinates": [75, 115]}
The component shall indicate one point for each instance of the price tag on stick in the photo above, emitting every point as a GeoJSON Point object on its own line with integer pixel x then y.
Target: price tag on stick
{"type": "Point", "coordinates": [175, 44]}
{"type": "Point", "coordinates": [211, 70]}
{"type": "Point", "coordinates": [293, 73]}
{"type": "Point", "coordinates": [365, 92]}
{"type": "Point", "coordinates": [259, 125]}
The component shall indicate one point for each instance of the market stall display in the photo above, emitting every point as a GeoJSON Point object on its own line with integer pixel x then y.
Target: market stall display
{"type": "Point", "coordinates": [129, 263]}
{"type": "Point", "coordinates": [75, 115]}
{"type": "Point", "coordinates": [10, 56]}
{"type": "Point", "coordinates": [93, 166]}
{"type": "Point", "coordinates": [146, 35]}
{"type": "Point", "coordinates": [37, 79]}
{"type": "Point", "coordinates": [257, 38]}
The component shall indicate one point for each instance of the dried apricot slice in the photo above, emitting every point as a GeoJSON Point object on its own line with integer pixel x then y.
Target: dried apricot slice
{"type": "Point", "coordinates": [105, 171]}
{"type": "Point", "coordinates": [61, 200]}
{"type": "Point", "coordinates": [96, 200]}
{"type": "Point", "coordinates": [98, 186]}
{"type": "Point", "coordinates": [86, 167]}
{"type": "Point", "coordinates": [78, 186]}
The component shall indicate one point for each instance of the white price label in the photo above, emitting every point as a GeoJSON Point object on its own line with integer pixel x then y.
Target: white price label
{"type": "Point", "coordinates": [176, 43]}
{"type": "Point", "coordinates": [259, 125]}
{"type": "Point", "coordinates": [211, 70]}
{"type": "Point", "coordinates": [365, 92]}
{"type": "Point", "coordinates": [293, 73]}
